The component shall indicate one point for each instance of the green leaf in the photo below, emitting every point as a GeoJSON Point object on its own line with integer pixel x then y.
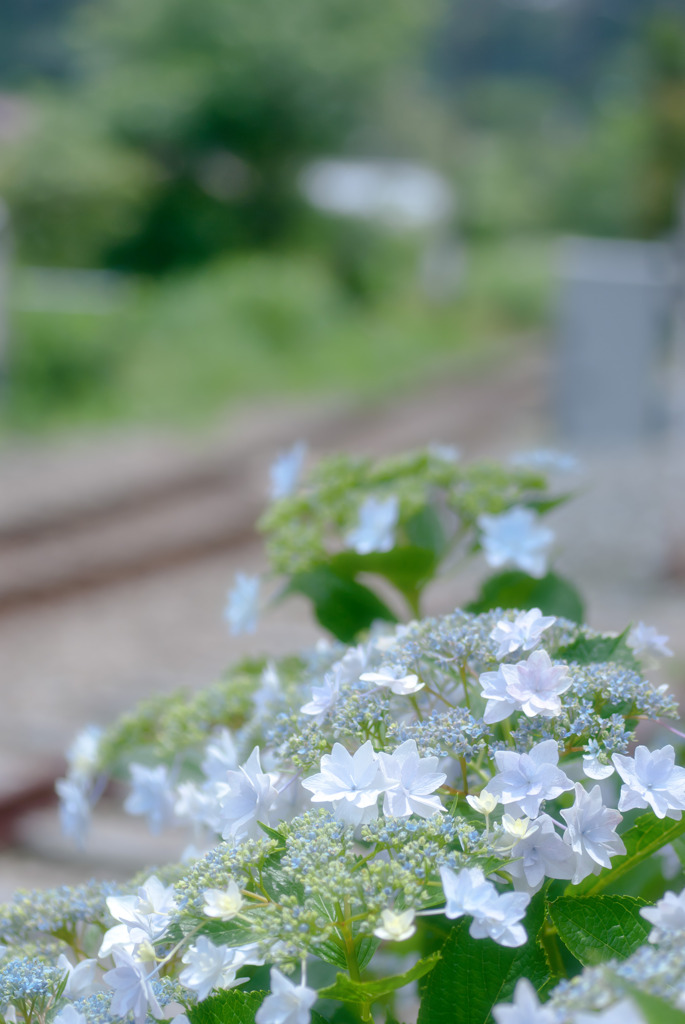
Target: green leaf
{"type": "Point", "coordinates": [588, 650]}
{"type": "Point", "coordinates": [530, 960]}
{"type": "Point", "coordinates": [542, 505]}
{"type": "Point", "coordinates": [341, 605]}
{"type": "Point", "coordinates": [279, 883]}
{"type": "Point", "coordinates": [425, 530]}
{"type": "Point", "coordinates": [230, 1006]}
{"type": "Point", "coordinates": [679, 847]}
{"type": "Point", "coordinates": [349, 991]}
{"type": "Point", "coordinates": [273, 834]}
{"type": "Point", "coordinates": [654, 1009]}
{"type": "Point", "coordinates": [364, 947]}
{"type": "Point", "coordinates": [475, 974]}
{"type": "Point", "coordinates": [599, 928]}
{"type": "Point", "coordinates": [553, 595]}
{"type": "Point", "coordinates": [646, 836]}
{"type": "Point", "coordinates": [233, 1006]}
{"type": "Point", "coordinates": [407, 568]}
{"type": "Point", "coordinates": [333, 953]}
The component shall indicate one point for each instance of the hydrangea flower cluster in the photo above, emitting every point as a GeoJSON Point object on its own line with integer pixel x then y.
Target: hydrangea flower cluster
{"type": "Point", "coordinates": [413, 513]}
{"type": "Point", "coordinates": [473, 772]}
{"type": "Point", "coordinates": [463, 800]}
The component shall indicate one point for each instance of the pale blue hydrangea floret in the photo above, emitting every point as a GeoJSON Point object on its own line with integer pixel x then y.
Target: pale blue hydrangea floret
{"type": "Point", "coordinates": [410, 782]}
{"type": "Point", "coordinates": [74, 809]}
{"type": "Point", "coordinates": [375, 529]}
{"type": "Point", "coordinates": [523, 632]}
{"type": "Point", "coordinates": [351, 782]}
{"type": "Point", "coordinates": [249, 796]}
{"type": "Point", "coordinates": [143, 917]}
{"type": "Point", "coordinates": [152, 795]}
{"type": "Point", "coordinates": [647, 640]}
{"type": "Point", "coordinates": [592, 832]}
{"type": "Point", "coordinates": [533, 686]}
{"type": "Point", "coordinates": [285, 471]}
{"type": "Point", "coordinates": [515, 538]}
{"type": "Point", "coordinates": [82, 755]}
{"type": "Point", "coordinates": [525, 1007]}
{"type": "Point", "coordinates": [494, 915]}
{"type": "Point", "coordinates": [652, 779]}
{"type": "Point", "coordinates": [211, 966]}
{"type": "Point", "coordinates": [131, 983]}
{"type": "Point", "coordinates": [242, 605]}
{"type": "Point", "coordinates": [287, 1004]}
{"type": "Point", "coordinates": [524, 781]}
{"type": "Point", "coordinates": [535, 852]}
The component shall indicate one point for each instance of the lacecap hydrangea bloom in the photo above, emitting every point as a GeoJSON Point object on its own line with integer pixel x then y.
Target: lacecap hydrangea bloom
{"type": "Point", "coordinates": [433, 773]}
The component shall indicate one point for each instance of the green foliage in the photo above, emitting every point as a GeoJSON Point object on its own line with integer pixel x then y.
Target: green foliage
{"type": "Point", "coordinates": [600, 928]}
{"type": "Point", "coordinates": [654, 1009]}
{"type": "Point", "coordinates": [204, 110]}
{"type": "Point", "coordinates": [163, 726]}
{"type": "Point", "coordinates": [347, 990]}
{"type": "Point", "coordinates": [552, 594]}
{"type": "Point", "coordinates": [72, 188]}
{"type": "Point", "coordinates": [586, 650]}
{"type": "Point", "coordinates": [407, 568]}
{"type": "Point", "coordinates": [268, 327]}
{"type": "Point", "coordinates": [341, 605]}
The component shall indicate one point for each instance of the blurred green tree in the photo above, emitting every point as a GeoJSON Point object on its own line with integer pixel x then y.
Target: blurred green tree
{"type": "Point", "coordinates": [663, 179]}
{"type": "Point", "coordinates": [208, 107]}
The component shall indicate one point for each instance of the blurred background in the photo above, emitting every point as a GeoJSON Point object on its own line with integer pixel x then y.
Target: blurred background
{"type": "Point", "coordinates": [226, 226]}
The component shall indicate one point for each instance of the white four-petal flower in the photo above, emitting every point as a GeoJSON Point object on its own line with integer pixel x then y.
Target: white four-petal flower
{"type": "Point", "coordinates": [667, 915]}
{"type": "Point", "coordinates": [287, 1004]}
{"type": "Point", "coordinates": [591, 832]}
{"type": "Point", "coordinates": [400, 685]}
{"type": "Point", "coordinates": [525, 780]}
{"type": "Point", "coordinates": [284, 472]}
{"type": "Point", "coordinates": [248, 797]}
{"type": "Point", "coordinates": [494, 915]}
{"type": "Point", "coordinates": [532, 686]}
{"type": "Point", "coordinates": [523, 632]}
{"type": "Point", "coordinates": [652, 779]}
{"type": "Point", "coordinates": [375, 529]}
{"type": "Point", "coordinates": [515, 538]}
{"type": "Point", "coordinates": [242, 604]}
{"type": "Point", "coordinates": [409, 781]}
{"type": "Point", "coordinates": [351, 782]}
{"type": "Point", "coordinates": [525, 1009]}
{"type": "Point", "coordinates": [210, 967]}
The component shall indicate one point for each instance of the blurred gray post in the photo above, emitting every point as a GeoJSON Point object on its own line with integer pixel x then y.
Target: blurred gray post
{"type": "Point", "coordinates": [5, 260]}
{"type": "Point", "coordinates": [615, 307]}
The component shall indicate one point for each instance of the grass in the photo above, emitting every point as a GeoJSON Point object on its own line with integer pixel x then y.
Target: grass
{"type": "Point", "coordinates": [89, 352]}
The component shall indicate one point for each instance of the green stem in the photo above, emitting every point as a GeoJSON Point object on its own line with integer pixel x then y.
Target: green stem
{"type": "Point", "coordinates": [352, 963]}
{"type": "Point", "coordinates": [550, 944]}
{"type": "Point", "coordinates": [413, 599]}
{"type": "Point", "coordinates": [462, 673]}
{"type": "Point", "coordinates": [464, 772]}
